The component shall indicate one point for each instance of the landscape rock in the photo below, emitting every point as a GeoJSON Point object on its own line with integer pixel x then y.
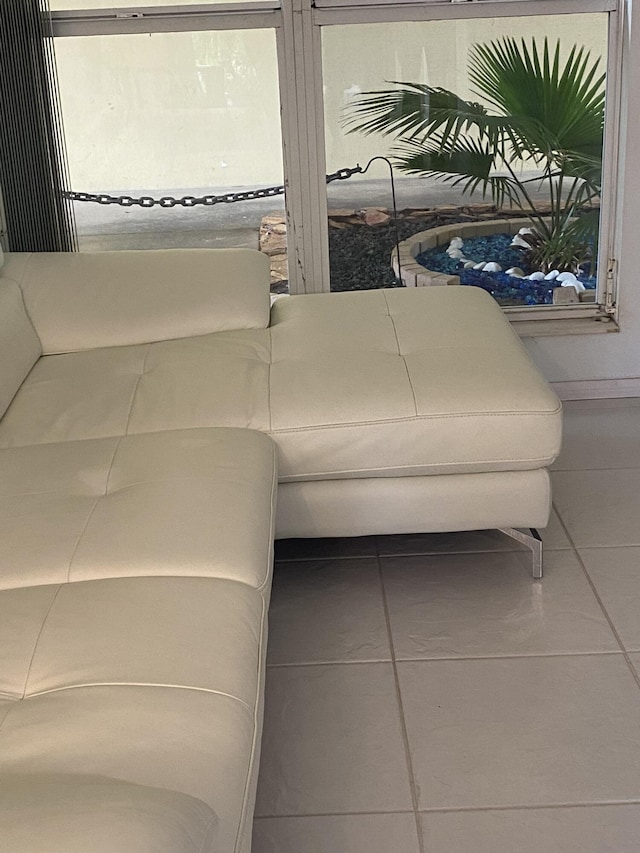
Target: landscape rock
{"type": "Point", "coordinates": [375, 216]}
{"type": "Point", "coordinates": [565, 295]}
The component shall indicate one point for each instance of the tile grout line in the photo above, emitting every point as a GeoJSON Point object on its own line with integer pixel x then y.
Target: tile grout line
{"type": "Point", "coordinates": [403, 722]}
{"type": "Point", "coordinates": [334, 814]}
{"type": "Point", "coordinates": [591, 804]}
{"type": "Point", "coordinates": [535, 807]}
{"type": "Point", "coordinates": [591, 468]}
{"type": "Point", "coordinates": [614, 630]}
{"type": "Point", "coordinates": [452, 659]}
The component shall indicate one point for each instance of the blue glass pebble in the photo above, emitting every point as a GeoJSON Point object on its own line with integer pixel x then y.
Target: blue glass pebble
{"type": "Point", "coordinates": [503, 287]}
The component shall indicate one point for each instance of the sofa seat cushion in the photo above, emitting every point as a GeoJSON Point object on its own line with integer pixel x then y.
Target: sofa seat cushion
{"type": "Point", "coordinates": [200, 633]}
{"type": "Point", "coordinates": [65, 813]}
{"type": "Point", "coordinates": [165, 503]}
{"type": "Point", "coordinates": [211, 380]}
{"type": "Point", "coordinates": [405, 381]}
{"type": "Point", "coordinates": [200, 743]}
{"type": "Point", "coordinates": [134, 586]}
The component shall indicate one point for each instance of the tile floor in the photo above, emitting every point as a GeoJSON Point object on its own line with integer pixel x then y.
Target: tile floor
{"type": "Point", "coordinates": [424, 695]}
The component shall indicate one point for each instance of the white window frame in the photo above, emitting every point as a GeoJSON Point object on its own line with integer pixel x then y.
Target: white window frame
{"type": "Point", "coordinates": [298, 27]}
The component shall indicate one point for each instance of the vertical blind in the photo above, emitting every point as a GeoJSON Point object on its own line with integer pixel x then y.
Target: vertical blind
{"type": "Point", "coordinates": [33, 170]}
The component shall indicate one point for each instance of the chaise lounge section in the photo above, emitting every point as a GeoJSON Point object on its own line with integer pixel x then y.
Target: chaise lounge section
{"type": "Point", "coordinates": [151, 403]}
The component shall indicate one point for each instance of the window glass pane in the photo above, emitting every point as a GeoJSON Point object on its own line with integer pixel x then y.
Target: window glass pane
{"type": "Point", "coordinates": [479, 62]}
{"type": "Point", "coordinates": [171, 114]}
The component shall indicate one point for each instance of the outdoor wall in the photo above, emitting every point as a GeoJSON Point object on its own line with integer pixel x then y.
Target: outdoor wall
{"type": "Point", "coordinates": [171, 110]}
{"type": "Point", "coordinates": [180, 110]}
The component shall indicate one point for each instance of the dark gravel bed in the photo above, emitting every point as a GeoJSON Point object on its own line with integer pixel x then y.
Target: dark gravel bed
{"type": "Point", "coordinates": [360, 256]}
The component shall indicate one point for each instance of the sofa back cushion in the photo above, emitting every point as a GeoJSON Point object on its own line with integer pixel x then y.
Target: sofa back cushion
{"type": "Point", "coordinates": [19, 344]}
{"type": "Point", "coordinates": [80, 301]}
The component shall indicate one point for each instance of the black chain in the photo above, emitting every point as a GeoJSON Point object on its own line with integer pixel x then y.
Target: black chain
{"type": "Point", "coordinates": [168, 201]}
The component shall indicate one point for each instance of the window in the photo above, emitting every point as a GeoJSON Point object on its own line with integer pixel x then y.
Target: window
{"type": "Point", "coordinates": [190, 99]}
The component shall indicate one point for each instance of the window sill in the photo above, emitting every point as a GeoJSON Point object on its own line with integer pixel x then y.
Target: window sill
{"type": "Point", "coordinates": [545, 322]}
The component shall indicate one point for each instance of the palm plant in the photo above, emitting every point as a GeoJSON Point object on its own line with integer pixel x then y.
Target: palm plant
{"type": "Point", "coordinates": [536, 111]}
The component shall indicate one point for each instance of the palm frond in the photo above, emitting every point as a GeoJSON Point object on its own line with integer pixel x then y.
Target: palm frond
{"type": "Point", "coordinates": [566, 103]}
{"type": "Point", "coordinates": [464, 163]}
{"type": "Point", "coordinates": [412, 110]}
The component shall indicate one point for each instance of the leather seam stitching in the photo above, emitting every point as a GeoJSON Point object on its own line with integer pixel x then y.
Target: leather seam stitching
{"type": "Point", "coordinates": [135, 389]}
{"type": "Point", "coordinates": [400, 354]}
{"type": "Point", "coordinates": [409, 418]}
{"type": "Point", "coordinates": [142, 684]}
{"type": "Point", "coordinates": [37, 642]}
{"type": "Point", "coordinates": [93, 509]}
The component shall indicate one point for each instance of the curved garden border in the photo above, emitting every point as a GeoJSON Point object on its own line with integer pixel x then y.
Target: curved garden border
{"type": "Point", "coordinates": [414, 274]}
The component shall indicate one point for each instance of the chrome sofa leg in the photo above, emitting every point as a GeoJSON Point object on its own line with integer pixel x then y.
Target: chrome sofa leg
{"type": "Point", "coordinates": [533, 541]}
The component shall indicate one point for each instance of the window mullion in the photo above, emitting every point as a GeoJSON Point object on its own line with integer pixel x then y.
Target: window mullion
{"type": "Point", "coordinates": [609, 203]}
{"type": "Point", "coordinates": [304, 154]}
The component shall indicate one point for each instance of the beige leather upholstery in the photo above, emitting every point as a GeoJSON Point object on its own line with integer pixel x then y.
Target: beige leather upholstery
{"type": "Point", "coordinates": [83, 301]}
{"type": "Point", "coordinates": [382, 383]}
{"type": "Point", "coordinates": [56, 813]}
{"type": "Point", "coordinates": [19, 344]}
{"type": "Point", "coordinates": [135, 577]}
{"type": "Point", "coordinates": [387, 505]}
{"type": "Point", "coordinates": [407, 381]}
{"type": "Point", "coordinates": [137, 508]}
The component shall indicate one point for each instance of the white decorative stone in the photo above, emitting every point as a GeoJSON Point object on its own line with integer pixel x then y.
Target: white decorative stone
{"type": "Point", "coordinates": [551, 275]}
{"type": "Point", "coordinates": [536, 276]}
{"type": "Point", "coordinates": [492, 266]}
{"type": "Point", "coordinates": [567, 276]}
{"type": "Point", "coordinates": [454, 253]}
{"type": "Point", "coordinates": [518, 242]}
{"type": "Point", "coordinates": [468, 265]}
{"type": "Point", "coordinates": [456, 241]}
{"type": "Point", "coordinates": [479, 266]}
{"type": "Point", "coordinates": [516, 272]}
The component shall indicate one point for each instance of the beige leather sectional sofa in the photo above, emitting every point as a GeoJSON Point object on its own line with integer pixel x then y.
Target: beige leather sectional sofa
{"type": "Point", "coordinates": [150, 404]}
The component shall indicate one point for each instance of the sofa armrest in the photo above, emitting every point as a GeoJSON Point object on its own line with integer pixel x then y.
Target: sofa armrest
{"type": "Point", "coordinates": [80, 301]}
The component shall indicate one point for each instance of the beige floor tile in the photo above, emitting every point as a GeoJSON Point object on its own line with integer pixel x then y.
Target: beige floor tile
{"type": "Point", "coordinates": [600, 437]}
{"type": "Point", "coordinates": [478, 605]}
{"type": "Point", "coordinates": [327, 610]}
{"type": "Point", "coordinates": [332, 742]}
{"type": "Point", "coordinates": [322, 549]}
{"type": "Point", "coordinates": [376, 833]}
{"type": "Point", "coordinates": [615, 573]}
{"type": "Point", "coordinates": [590, 829]}
{"type": "Point", "coordinates": [522, 731]}
{"type": "Point", "coordinates": [599, 507]}
{"type": "Point", "coordinates": [553, 537]}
